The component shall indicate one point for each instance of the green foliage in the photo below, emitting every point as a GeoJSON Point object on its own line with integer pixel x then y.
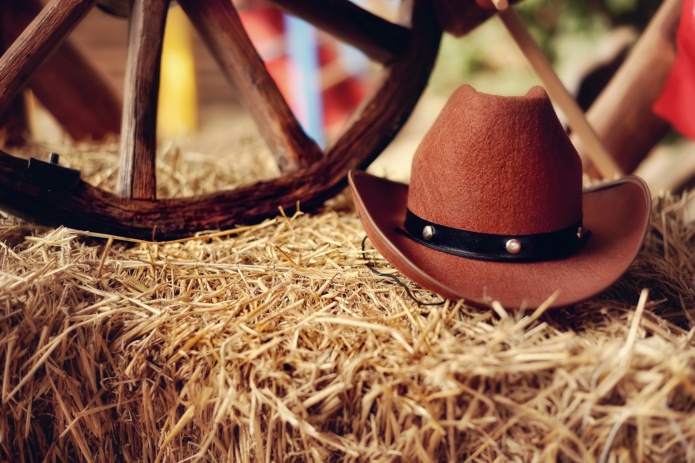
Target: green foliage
{"type": "Point", "coordinates": [580, 14]}
{"type": "Point", "coordinates": [563, 28]}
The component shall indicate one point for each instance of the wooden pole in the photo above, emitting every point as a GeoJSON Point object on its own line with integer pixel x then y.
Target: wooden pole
{"type": "Point", "coordinates": [380, 40]}
{"type": "Point", "coordinates": [137, 177]}
{"type": "Point", "coordinates": [14, 121]}
{"type": "Point", "coordinates": [601, 158]}
{"type": "Point", "coordinates": [622, 114]}
{"type": "Point", "coordinates": [45, 33]}
{"type": "Point", "coordinates": [74, 91]}
{"type": "Point", "coordinates": [67, 85]}
{"type": "Point", "coordinates": [218, 23]}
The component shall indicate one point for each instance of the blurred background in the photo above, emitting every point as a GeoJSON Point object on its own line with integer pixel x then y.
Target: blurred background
{"type": "Point", "coordinates": [324, 80]}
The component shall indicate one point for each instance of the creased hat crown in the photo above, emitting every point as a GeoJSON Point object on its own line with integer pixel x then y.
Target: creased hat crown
{"type": "Point", "coordinates": [499, 165]}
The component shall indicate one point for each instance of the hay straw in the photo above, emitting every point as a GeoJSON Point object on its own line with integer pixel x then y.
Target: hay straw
{"type": "Point", "coordinates": [274, 342]}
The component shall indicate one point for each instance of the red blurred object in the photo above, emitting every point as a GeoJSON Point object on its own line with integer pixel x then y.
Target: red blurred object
{"type": "Point", "coordinates": [341, 92]}
{"type": "Point", "coordinates": [676, 103]}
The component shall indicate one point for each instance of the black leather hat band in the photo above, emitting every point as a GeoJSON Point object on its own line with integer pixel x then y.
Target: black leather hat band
{"type": "Point", "coordinates": [491, 247]}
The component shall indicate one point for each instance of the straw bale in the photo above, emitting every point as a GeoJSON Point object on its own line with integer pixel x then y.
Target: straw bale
{"type": "Point", "coordinates": [275, 342]}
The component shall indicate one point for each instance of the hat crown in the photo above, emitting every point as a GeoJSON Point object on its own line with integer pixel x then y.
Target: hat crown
{"type": "Point", "coordinates": [499, 165]}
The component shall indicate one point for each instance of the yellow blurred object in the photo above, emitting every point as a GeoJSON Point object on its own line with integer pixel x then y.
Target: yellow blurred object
{"type": "Point", "coordinates": [178, 101]}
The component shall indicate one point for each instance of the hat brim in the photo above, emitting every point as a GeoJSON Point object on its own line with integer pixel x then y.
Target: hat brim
{"type": "Point", "coordinates": [616, 214]}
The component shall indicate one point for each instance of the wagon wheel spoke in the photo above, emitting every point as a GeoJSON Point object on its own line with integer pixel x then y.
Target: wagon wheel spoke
{"type": "Point", "coordinates": [137, 178]}
{"type": "Point", "coordinates": [217, 21]}
{"type": "Point", "coordinates": [13, 122]}
{"type": "Point", "coordinates": [66, 84]}
{"type": "Point", "coordinates": [45, 33]}
{"type": "Point", "coordinates": [55, 195]}
{"type": "Point", "coordinates": [379, 39]}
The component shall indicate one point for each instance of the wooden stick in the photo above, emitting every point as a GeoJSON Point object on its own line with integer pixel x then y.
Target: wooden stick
{"type": "Point", "coordinates": [598, 154]}
{"type": "Point", "coordinates": [501, 5]}
{"type": "Point", "coordinates": [45, 33]}
{"type": "Point", "coordinates": [218, 23]}
{"type": "Point", "coordinates": [75, 92]}
{"type": "Point", "coordinates": [137, 177]}
{"type": "Point", "coordinates": [622, 114]}
{"type": "Point", "coordinates": [80, 98]}
{"type": "Point", "coordinates": [14, 126]}
{"type": "Point", "coordinates": [14, 121]}
{"type": "Point", "coordinates": [379, 39]}
{"type": "Point", "coordinates": [67, 85]}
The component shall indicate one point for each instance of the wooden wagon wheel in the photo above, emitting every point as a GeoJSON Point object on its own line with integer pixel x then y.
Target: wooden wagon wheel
{"type": "Point", "coordinates": [48, 193]}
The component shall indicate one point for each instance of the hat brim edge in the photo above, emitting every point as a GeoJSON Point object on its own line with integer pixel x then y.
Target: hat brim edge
{"type": "Point", "coordinates": [600, 273]}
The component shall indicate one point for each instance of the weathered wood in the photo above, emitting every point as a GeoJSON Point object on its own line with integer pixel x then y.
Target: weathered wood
{"type": "Point", "coordinates": [85, 207]}
{"type": "Point", "coordinates": [137, 178]}
{"type": "Point", "coordinates": [67, 85]}
{"type": "Point", "coordinates": [218, 23]}
{"type": "Point", "coordinates": [14, 127]}
{"type": "Point", "coordinates": [13, 122]}
{"type": "Point", "coordinates": [622, 114]}
{"type": "Point", "coordinates": [544, 70]}
{"type": "Point", "coordinates": [120, 8]}
{"type": "Point", "coordinates": [77, 95]}
{"type": "Point", "coordinates": [379, 39]}
{"type": "Point", "coordinates": [45, 33]}
{"type": "Point", "coordinates": [459, 17]}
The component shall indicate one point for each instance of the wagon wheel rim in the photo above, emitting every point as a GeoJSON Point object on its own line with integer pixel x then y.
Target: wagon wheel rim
{"type": "Point", "coordinates": [310, 174]}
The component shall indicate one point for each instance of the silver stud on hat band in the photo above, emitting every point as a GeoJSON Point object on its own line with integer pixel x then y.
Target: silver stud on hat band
{"type": "Point", "coordinates": [493, 247]}
{"type": "Point", "coordinates": [513, 246]}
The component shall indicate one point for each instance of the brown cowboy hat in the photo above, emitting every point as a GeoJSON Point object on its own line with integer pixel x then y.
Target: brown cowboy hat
{"type": "Point", "coordinates": [495, 208]}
